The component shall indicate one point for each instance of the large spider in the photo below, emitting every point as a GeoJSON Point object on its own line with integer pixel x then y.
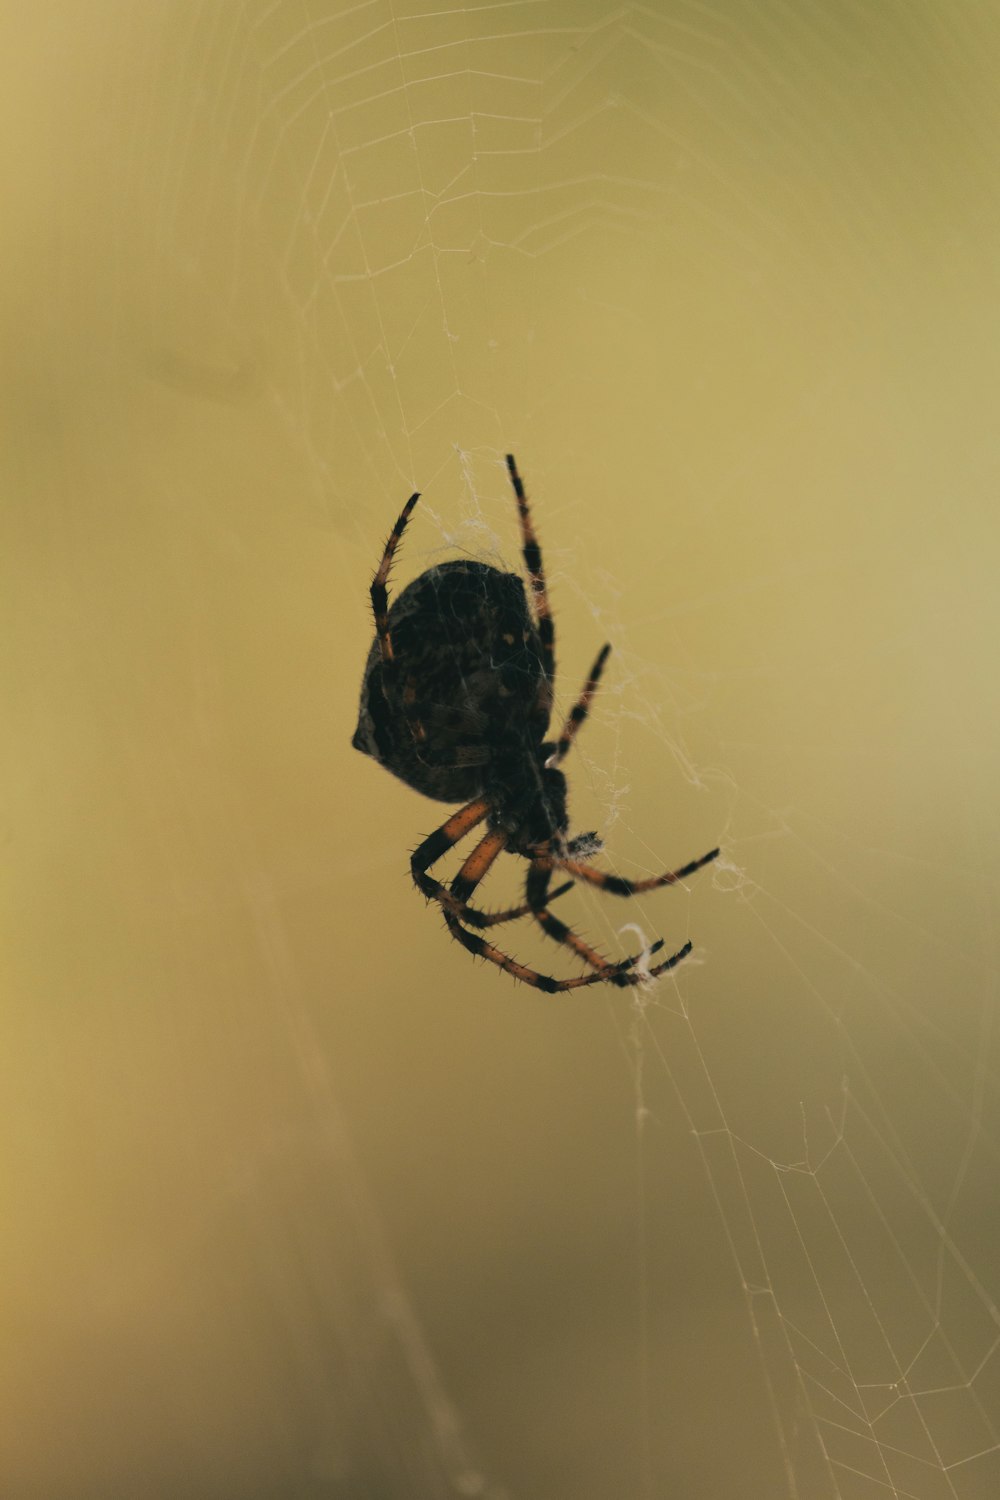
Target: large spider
{"type": "Point", "coordinates": [455, 701]}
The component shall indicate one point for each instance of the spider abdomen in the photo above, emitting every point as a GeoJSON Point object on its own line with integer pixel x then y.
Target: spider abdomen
{"type": "Point", "coordinates": [466, 689]}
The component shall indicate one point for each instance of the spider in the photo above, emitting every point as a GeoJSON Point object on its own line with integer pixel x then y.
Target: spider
{"type": "Point", "coordinates": [455, 701]}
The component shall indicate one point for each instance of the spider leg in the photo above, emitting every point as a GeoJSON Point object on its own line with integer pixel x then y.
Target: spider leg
{"type": "Point", "coordinates": [536, 890]}
{"type": "Point", "coordinates": [580, 708]}
{"type": "Point", "coordinates": [532, 553]}
{"type": "Point", "coordinates": [437, 844]}
{"type": "Point", "coordinates": [617, 885]}
{"type": "Point", "coordinates": [380, 607]}
{"type": "Point", "coordinates": [473, 871]}
{"type": "Point", "coordinates": [494, 918]}
{"type": "Point", "coordinates": [618, 973]}
{"type": "Point", "coordinates": [477, 866]}
{"type": "Point", "coordinates": [379, 593]}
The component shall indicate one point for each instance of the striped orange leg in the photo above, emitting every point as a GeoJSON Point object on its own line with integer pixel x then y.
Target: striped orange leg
{"type": "Point", "coordinates": [437, 844]}
{"type": "Point", "coordinates": [537, 892]}
{"type": "Point", "coordinates": [617, 885]}
{"type": "Point", "coordinates": [580, 708]}
{"type": "Point", "coordinates": [476, 868]}
{"type": "Point", "coordinates": [379, 591]}
{"type": "Point", "coordinates": [494, 918]}
{"type": "Point", "coordinates": [533, 562]}
{"type": "Point", "coordinates": [380, 607]}
{"type": "Point", "coordinates": [619, 973]}
{"type": "Point", "coordinates": [539, 875]}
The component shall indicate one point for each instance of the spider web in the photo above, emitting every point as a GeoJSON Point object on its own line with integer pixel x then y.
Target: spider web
{"type": "Point", "coordinates": [306, 1202]}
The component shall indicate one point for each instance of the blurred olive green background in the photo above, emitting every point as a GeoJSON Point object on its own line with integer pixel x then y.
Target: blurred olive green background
{"type": "Point", "coordinates": [298, 1200]}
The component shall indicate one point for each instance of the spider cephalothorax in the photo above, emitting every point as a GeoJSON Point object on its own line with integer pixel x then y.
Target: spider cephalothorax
{"type": "Point", "coordinates": [455, 701]}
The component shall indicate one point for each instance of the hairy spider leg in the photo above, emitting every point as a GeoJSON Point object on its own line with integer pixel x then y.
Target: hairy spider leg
{"type": "Point", "coordinates": [477, 866]}
{"type": "Point", "coordinates": [532, 553]}
{"type": "Point", "coordinates": [378, 590]}
{"type": "Point", "coordinates": [614, 974]}
{"type": "Point", "coordinates": [472, 872]}
{"type": "Point", "coordinates": [380, 606]}
{"type": "Point", "coordinates": [580, 708]}
{"type": "Point", "coordinates": [494, 918]}
{"type": "Point", "coordinates": [437, 844]}
{"type": "Point", "coordinates": [617, 885]}
{"type": "Point", "coordinates": [536, 890]}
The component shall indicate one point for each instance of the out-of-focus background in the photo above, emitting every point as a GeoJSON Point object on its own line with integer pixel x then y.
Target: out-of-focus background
{"type": "Point", "coordinates": [298, 1199]}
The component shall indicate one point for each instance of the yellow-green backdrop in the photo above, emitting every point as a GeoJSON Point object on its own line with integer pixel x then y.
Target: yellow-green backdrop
{"type": "Point", "coordinates": [298, 1199]}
